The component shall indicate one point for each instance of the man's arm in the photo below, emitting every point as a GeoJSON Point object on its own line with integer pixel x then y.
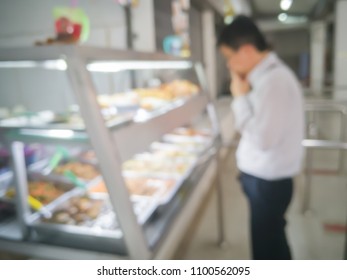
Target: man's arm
{"type": "Point", "coordinates": [263, 118]}
{"type": "Point", "coordinates": [243, 111]}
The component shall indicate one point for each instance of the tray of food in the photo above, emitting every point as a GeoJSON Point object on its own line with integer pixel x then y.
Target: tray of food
{"type": "Point", "coordinates": [189, 131]}
{"type": "Point", "coordinates": [86, 221]}
{"type": "Point", "coordinates": [195, 148]}
{"type": "Point", "coordinates": [174, 153]}
{"type": "Point", "coordinates": [160, 189]}
{"type": "Point", "coordinates": [94, 210]}
{"type": "Point", "coordinates": [47, 191]}
{"type": "Point", "coordinates": [123, 102]}
{"type": "Point", "coordinates": [145, 193]}
{"type": "Point", "coordinates": [152, 103]}
{"type": "Point", "coordinates": [43, 193]}
{"type": "Point", "coordinates": [172, 157]}
{"type": "Point", "coordinates": [142, 185]}
{"type": "Point", "coordinates": [137, 186]}
{"type": "Point", "coordinates": [84, 211]}
{"type": "Point", "coordinates": [84, 171]}
{"type": "Point", "coordinates": [176, 138]}
{"type": "Point", "coordinates": [67, 170]}
{"type": "Point", "coordinates": [148, 187]}
{"type": "Point", "coordinates": [159, 168]}
{"type": "Point", "coordinates": [88, 156]}
{"type": "Point", "coordinates": [173, 90]}
{"type": "Point", "coordinates": [196, 144]}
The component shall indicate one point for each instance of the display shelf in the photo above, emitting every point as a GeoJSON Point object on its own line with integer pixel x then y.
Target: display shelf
{"type": "Point", "coordinates": [114, 141]}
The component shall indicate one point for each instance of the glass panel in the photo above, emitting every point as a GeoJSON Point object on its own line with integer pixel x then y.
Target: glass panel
{"type": "Point", "coordinates": [77, 205]}
{"type": "Point", "coordinates": [35, 96]}
{"type": "Point", "coordinates": [140, 88]}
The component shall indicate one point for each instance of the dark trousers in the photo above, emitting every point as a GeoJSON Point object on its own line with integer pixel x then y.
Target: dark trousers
{"type": "Point", "coordinates": [268, 203]}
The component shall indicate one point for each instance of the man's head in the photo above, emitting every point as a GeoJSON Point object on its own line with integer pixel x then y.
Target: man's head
{"type": "Point", "coordinates": [242, 44]}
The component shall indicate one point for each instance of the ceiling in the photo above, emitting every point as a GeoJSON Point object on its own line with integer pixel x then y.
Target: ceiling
{"type": "Point", "coordinates": [270, 9]}
{"type": "Point", "coordinates": [311, 8]}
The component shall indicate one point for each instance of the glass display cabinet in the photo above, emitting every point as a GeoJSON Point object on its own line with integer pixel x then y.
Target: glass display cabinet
{"type": "Point", "coordinates": [104, 153]}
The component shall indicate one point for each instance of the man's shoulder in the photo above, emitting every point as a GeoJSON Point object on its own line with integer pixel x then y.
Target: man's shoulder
{"type": "Point", "coordinates": [279, 73]}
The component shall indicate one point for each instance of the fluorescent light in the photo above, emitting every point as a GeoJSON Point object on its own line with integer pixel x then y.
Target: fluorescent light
{"type": "Point", "coordinates": [17, 64]}
{"type": "Point", "coordinates": [57, 64]}
{"type": "Point", "coordinates": [99, 66]}
{"type": "Point", "coordinates": [56, 133]}
{"type": "Point", "coordinates": [282, 17]}
{"type": "Point", "coordinates": [61, 133]}
{"type": "Point", "coordinates": [136, 65]}
{"type": "Point", "coordinates": [286, 4]}
{"type": "Point", "coordinates": [287, 19]}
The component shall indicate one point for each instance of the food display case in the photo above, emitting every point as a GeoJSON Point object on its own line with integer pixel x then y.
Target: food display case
{"type": "Point", "coordinates": [122, 141]}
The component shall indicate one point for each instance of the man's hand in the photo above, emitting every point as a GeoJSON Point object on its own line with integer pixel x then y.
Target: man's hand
{"type": "Point", "coordinates": [239, 85]}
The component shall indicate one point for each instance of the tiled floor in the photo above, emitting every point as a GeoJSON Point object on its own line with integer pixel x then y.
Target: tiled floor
{"type": "Point", "coordinates": [317, 234]}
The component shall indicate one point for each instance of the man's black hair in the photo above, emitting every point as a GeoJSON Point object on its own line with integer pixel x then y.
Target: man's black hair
{"type": "Point", "coordinates": [242, 30]}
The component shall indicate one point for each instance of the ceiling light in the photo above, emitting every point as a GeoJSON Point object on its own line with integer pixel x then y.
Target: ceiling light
{"type": "Point", "coordinates": [56, 133]}
{"type": "Point", "coordinates": [57, 64]}
{"type": "Point", "coordinates": [282, 17]}
{"type": "Point", "coordinates": [290, 19]}
{"type": "Point", "coordinates": [286, 4]}
{"type": "Point", "coordinates": [109, 66]}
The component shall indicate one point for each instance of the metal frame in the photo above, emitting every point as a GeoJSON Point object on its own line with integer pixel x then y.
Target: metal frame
{"type": "Point", "coordinates": [216, 127]}
{"type": "Point", "coordinates": [20, 178]}
{"type": "Point", "coordinates": [105, 149]}
{"type": "Point", "coordinates": [328, 106]}
{"type": "Point", "coordinates": [317, 107]}
{"type": "Point", "coordinates": [324, 144]}
{"type": "Point", "coordinates": [95, 53]}
{"type": "Point", "coordinates": [110, 144]}
{"type": "Point", "coordinates": [162, 124]}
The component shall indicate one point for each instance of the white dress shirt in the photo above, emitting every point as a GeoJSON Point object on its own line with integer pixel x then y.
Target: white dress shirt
{"type": "Point", "coordinates": [270, 119]}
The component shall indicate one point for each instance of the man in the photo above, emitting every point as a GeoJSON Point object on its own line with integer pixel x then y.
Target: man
{"type": "Point", "coordinates": [268, 112]}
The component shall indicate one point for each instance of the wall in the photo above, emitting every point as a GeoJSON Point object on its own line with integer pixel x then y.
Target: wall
{"type": "Point", "coordinates": [318, 52]}
{"type": "Point", "coordinates": [289, 45]}
{"type": "Point", "coordinates": [144, 27]}
{"type": "Point", "coordinates": [195, 17]}
{"type": "Point", "coordinates": [340, 68]}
